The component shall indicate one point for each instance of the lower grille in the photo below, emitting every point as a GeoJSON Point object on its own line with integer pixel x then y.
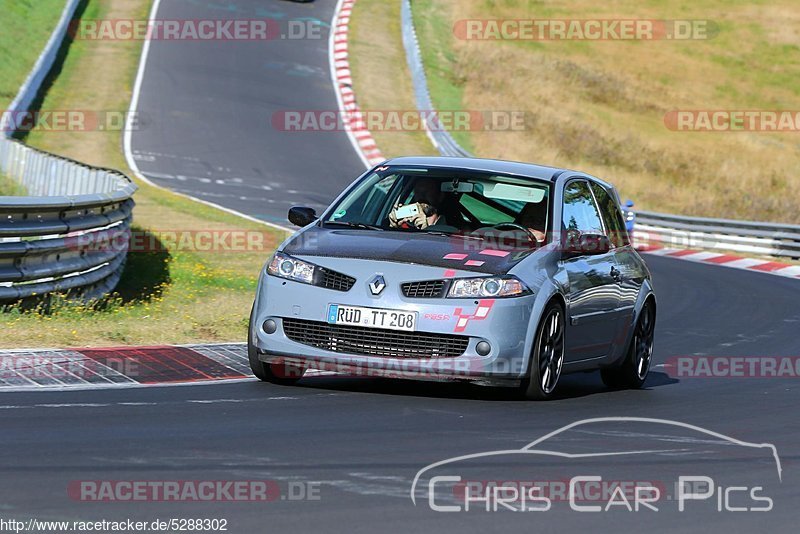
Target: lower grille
{"type": "Point", "coordinates": [426, 289]}
{"type": "Point", "coordinates": [374, 341]}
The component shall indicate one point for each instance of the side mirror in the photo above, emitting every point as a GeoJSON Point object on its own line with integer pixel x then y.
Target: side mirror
{"type": "Point", "coordinates": [302, 215]}
{"type": "Point", "coordinates": [578, 244]}
{"type": "Point", "coordinates": [629, 203]}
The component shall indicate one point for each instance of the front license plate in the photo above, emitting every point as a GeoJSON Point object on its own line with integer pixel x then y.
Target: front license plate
{"type": "Point", "coordinates": [372, 317]}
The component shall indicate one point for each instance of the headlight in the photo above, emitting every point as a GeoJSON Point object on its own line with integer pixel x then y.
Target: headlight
{"type": "Point", "coordinates": [287, 267]}
{"type": "Point", "coordinates": [507, 286]}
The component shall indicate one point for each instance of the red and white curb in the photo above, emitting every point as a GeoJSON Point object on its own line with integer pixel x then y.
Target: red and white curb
{"type": "Point", "coordinates": [56, 369]}
{"type": "Point", "coordinates": [725, 260]}
{"type": "Point", "coordinates": [119, 367]}
{"type": "Point", "coordinates": [360, 136]}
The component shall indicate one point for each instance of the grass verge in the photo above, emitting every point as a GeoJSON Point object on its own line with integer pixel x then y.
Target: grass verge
{"type": "Point", "coordinates": [25, 27]}
{"type": "Point", "coordinates": [9, 187]}
{"type": "Point", "coordinates": [380, 73]}
{"type": "Point", "coordinates": [170, 295]}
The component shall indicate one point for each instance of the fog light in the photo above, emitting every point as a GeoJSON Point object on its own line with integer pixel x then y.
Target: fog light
{"type": "Point", "coordinates": [270, 326]}
{"type": "Point", "coordinates": [483, 348]}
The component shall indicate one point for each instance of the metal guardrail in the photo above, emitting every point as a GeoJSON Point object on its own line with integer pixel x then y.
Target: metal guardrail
{"type": "Point", "coordinates": [441, 138]}
{"type": "Point", "coordinates": [59, 239]}
{"type": "Point", "coordinates": [52, 241]}
{"type": "Point", "coordinates": [680, 231]}
{"type": "Point", "coordinates": [666, 230]}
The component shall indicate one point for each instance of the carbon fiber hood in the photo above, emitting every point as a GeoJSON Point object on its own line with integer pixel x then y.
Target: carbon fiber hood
{"type": "Point", "coordinates": [453, 252]}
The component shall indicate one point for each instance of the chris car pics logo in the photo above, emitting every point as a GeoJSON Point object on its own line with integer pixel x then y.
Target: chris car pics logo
{"type": "Point", "coordinates": [447, 486]}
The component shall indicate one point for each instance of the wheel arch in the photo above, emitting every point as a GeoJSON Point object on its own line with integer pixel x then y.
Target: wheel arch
{"type": "Point", "coordinates": [645, 294]}
{"type": "Point", "coordinates": [547, 293]}
{"type": "Point", "coordinates": [557, 296]}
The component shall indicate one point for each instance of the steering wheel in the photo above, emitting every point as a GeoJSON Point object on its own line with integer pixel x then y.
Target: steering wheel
{"type": "Point", "coordinates": [516, 226]}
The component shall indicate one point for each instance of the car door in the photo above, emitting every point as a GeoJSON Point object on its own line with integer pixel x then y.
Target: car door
{"type": "Point", "coordinates": [593, 292]}
{"type": "Point", "coordinates": [630, 274]}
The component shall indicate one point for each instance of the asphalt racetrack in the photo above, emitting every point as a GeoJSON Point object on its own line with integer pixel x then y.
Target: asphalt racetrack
{"type": "Point", "coordinates": [206, 112]}
{"type": "Point", "coordinates": [343, 452]}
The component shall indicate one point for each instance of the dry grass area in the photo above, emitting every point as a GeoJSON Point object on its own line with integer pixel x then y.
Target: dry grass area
{"type": "Point", "coordinates": [380, 73]}
{"type": "Point", "coordinates": [176, 296]}
{"type": "Point", "coordinates": [600, 106]}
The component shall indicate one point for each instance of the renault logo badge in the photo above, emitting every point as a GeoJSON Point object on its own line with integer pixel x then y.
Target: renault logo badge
{"type": "Point", "coordinates": [377, 285]}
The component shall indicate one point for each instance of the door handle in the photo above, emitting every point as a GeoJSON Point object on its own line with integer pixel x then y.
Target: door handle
{"type": "Point", "coordinates": [616, 274]}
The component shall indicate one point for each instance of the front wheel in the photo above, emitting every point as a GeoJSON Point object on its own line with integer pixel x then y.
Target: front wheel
{"type": "Point", "coordinates": [547, 359]}
{"type": "Point", "coordinates": [633, 371]}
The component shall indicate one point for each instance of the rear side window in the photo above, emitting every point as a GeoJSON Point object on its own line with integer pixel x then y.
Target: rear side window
{"type": "Point", "coordinates": [612, 216]}
{"type": "Point", "coordinates": [580, 212]}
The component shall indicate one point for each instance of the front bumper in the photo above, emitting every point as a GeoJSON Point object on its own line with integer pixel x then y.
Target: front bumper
{"type": "Point", "coordinates": [503, 323]}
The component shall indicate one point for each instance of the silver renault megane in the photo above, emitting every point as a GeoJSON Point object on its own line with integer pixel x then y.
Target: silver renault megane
{"type": "Point", "coordinates": [493, 272]}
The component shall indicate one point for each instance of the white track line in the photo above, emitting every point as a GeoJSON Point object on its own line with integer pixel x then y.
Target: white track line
{"type": "Point", "coordinates": [128, 135]}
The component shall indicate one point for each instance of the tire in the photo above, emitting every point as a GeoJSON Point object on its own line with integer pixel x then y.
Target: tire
{"type": "Point", "coordinates": [279, 372]}
{"type": "Point", "coordinates": [632, 374]}
{"type": "Point", "coordinates": [547, 358]}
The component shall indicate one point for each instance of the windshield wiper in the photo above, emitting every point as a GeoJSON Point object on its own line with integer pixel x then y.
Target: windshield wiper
{"type": "Point", "coordinates": [440, 233]}
{"type": "Point", "coordinates": [445, 234]}
{"type": "Point", "coordinates": [466, 236]}
{"type": "Point", "coordinates": [349, 224]}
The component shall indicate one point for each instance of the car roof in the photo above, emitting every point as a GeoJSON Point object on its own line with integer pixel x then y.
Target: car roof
{"type": "Point", "coordinates": [529, 170]}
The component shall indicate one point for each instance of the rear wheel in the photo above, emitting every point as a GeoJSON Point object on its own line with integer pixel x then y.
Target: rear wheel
{"type": "Point", "coordinates": [547, 359]}
{"type": "Point", "coordinates": [277, 372]}
{"type": "Point", "coordinates": [633, 371]}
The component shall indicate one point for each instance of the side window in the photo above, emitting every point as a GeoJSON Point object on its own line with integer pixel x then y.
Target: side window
{"type": "Point", "coordinates": [580, 212]}
{"type": "Point", "coordinates": [612, 216]}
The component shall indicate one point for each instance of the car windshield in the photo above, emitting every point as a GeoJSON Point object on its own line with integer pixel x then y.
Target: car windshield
{"type": "Point", "coordinates": [447, 201]}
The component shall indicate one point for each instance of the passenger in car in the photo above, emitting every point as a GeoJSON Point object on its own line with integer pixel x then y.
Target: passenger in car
{"type": "Point", "coordinates": [534, 217]}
